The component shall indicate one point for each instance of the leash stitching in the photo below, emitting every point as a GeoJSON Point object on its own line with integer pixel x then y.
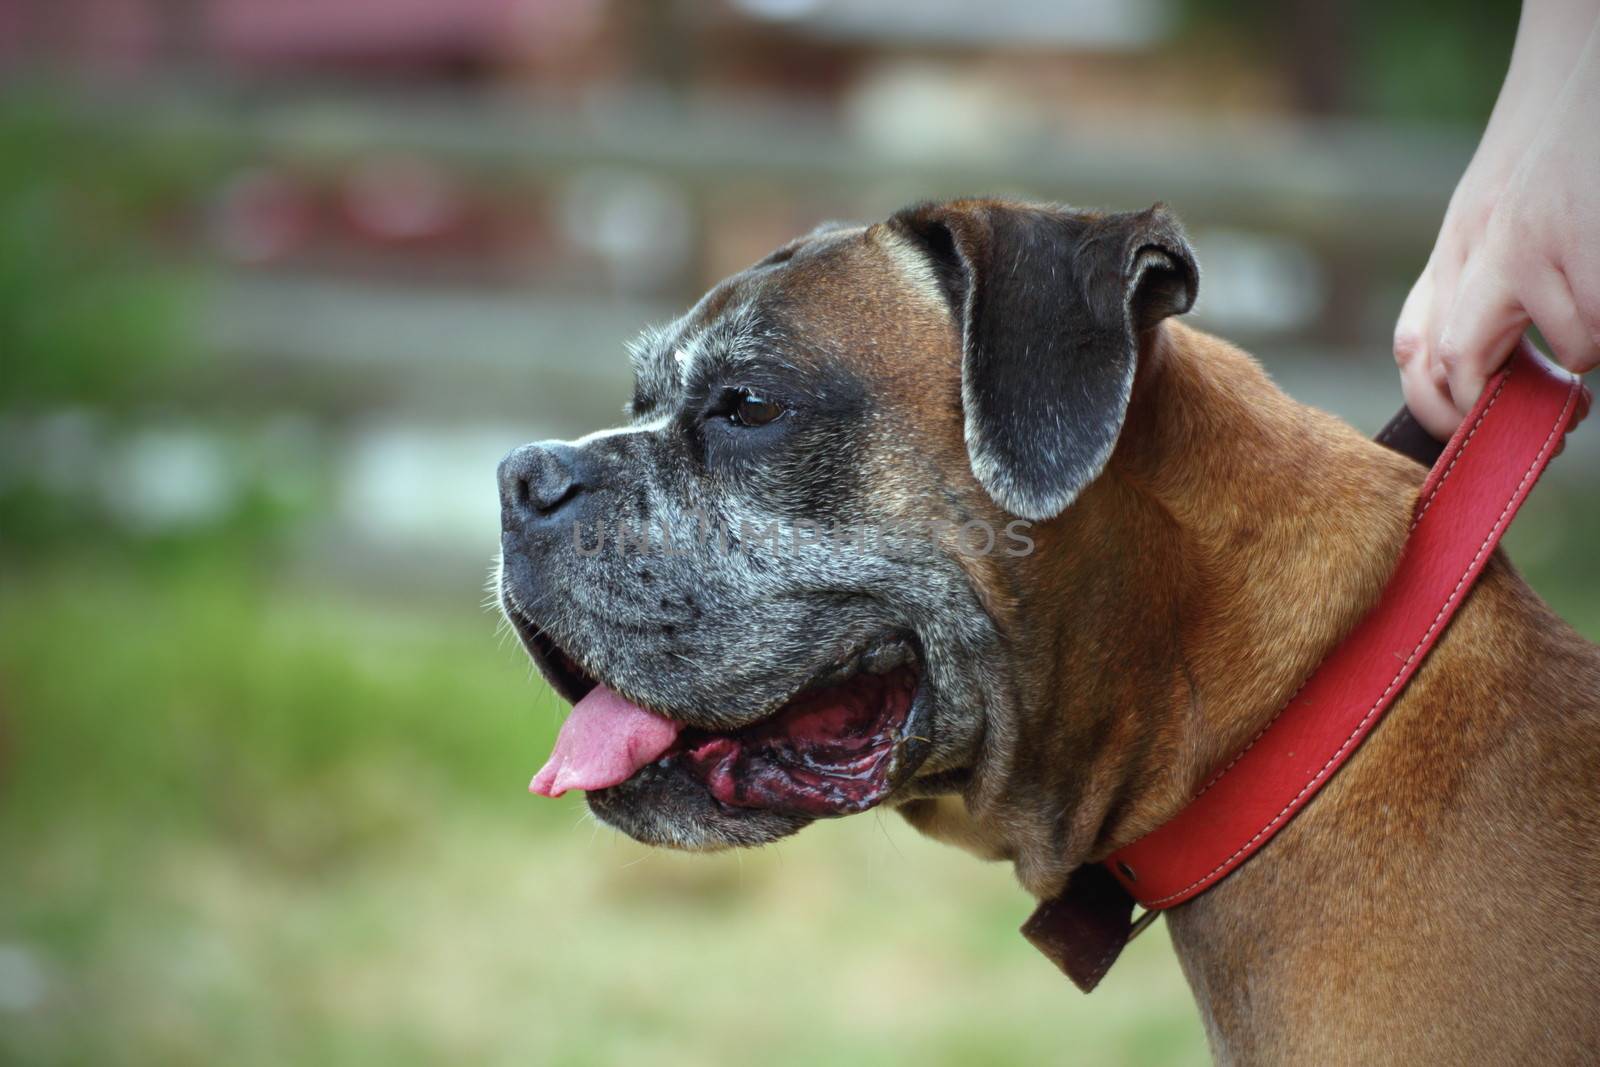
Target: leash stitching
{"type": "Point", "coordinates": [1426, 504]}
{"type": "Point", "coordinates": [1360, 727]}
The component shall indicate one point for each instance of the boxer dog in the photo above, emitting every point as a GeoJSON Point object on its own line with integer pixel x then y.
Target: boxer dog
{"type": "Point", "coordinates": [1105, 549]}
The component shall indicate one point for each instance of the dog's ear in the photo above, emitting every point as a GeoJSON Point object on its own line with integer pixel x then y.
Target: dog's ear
{"type": "Point", "coordinates": [1051, 305]}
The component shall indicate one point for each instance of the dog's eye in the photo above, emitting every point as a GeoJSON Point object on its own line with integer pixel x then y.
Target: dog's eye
{"type": "Point", "coordinates": [750, 409]}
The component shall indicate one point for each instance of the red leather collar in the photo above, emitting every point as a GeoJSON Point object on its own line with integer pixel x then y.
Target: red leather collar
{"type": "Point", "coordinates": [1477, 484]}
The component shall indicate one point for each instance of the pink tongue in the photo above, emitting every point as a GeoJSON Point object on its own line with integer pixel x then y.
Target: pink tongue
{"type": "Point", "coordinates": [603, 741]}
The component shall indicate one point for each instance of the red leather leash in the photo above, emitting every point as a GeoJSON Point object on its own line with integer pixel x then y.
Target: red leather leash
{"type": "Point", "coordinates": [1476, 486]}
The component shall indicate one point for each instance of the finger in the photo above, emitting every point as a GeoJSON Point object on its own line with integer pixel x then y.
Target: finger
{"type": "Point", "coordinates": [1582, 275]}
{"type": "Point", "coordinates": [1587, 293]}
{"type": "Point", "coordinates": [1444, 268]}
{"type": "Point", "coordinates": [1426, 397]}
{"type": "Point", "coordinates": [1411, 329]}
{"type": "Point", "coordinates": [1482, 324]}
{"type": "Point", "coordinates": [1554, 310]}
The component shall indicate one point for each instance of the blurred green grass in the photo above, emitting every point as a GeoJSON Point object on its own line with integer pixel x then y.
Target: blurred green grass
{"type": "Point", "coordinates": [255, 822]}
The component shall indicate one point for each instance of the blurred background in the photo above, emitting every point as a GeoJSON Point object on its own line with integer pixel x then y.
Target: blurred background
{"type": "Point", "coordinates": [280, 280]}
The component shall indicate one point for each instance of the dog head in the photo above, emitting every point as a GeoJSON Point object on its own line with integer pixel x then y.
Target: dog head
{"type": "Point", "coordinates": [792, 581]}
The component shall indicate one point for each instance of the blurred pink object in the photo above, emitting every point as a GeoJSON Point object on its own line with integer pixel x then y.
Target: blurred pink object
{"type": "Point", "coordinates": [267, 31]}
{"type": "Point", "coordinates": [263, 215]}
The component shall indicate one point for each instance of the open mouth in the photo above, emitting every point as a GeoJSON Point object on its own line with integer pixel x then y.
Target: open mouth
{"type": "Point", "coordinates": [838, 745]}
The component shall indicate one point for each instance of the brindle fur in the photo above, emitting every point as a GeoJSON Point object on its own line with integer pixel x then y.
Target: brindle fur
{"type": "Point", "coordinates": [1439, 902]}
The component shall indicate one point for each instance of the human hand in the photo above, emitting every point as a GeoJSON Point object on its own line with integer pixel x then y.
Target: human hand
{"type": "Point", "coordinates": [1520, 244]}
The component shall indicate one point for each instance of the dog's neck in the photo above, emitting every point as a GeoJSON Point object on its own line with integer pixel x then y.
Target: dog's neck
{"type": "Point", "coordinates": [1206, 574]}
{"type": "Point", "coordinates": [1232, 543]}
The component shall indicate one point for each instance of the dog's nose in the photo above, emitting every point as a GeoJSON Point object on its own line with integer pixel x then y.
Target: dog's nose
{"type": "Point", "coordinates": [538, 481]}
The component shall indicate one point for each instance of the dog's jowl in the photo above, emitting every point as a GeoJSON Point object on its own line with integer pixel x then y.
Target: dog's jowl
{"type": "Point", "coordinates": [949, 513]}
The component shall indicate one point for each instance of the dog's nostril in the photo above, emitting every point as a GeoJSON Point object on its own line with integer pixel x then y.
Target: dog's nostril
{"type": "Point", "coordinates": [540, 479]}
{"type": "Point", "coordinates": [555, 500]}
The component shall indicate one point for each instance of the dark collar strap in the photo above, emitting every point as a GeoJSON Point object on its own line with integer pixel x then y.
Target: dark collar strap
{"type": "Point", "coordinates": [1405, 435]}
{"type": "Point", "coordinates": [1478, 481]}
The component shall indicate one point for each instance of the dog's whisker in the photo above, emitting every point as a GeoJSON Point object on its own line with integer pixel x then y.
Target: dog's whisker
{"type": "Point", "coordinates": [635, 861]}
{"type": "Point", "coordinates": [888, 836]}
